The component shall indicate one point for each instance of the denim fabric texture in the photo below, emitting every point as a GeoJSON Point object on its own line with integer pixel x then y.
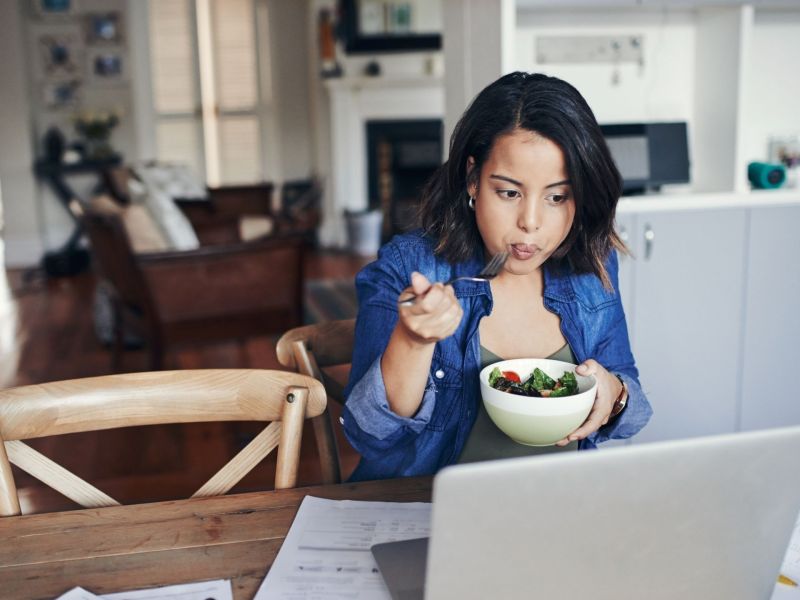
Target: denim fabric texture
{"type": "Point", "coordinates": [592, 321]}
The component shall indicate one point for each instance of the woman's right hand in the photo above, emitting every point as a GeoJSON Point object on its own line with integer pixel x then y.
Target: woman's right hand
{"type": "Point", "coordinates": [436, 313]}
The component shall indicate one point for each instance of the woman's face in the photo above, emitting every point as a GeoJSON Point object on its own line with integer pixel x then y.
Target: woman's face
{"type": "Point", "coordinates": [523, 200]}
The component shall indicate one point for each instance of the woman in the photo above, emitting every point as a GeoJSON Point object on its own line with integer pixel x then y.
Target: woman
{"type": "Point", "coordinates": [529, 173]}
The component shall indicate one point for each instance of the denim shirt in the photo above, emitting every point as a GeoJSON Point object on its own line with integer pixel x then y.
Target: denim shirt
{"type": "Point", "coordinates": [592, 321]}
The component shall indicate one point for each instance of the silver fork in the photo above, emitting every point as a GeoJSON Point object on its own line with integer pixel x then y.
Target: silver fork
{"type": "Point", "coordinates": [490, 271]}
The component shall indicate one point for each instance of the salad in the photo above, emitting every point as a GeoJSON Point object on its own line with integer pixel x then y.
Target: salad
{"type": "Point", "coordinates": [538, 385]}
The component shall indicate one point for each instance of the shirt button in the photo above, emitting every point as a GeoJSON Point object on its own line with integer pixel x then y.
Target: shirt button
{"type": "Point", "coordinates": [341, 420]}
{"type": "Point", "coordinates": [439, 374]}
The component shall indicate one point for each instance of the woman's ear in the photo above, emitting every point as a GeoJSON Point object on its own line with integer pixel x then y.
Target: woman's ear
{"type": "Point", "coordinates": [472, 179]}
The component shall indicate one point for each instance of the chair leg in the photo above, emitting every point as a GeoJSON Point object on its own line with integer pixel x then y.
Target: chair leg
{"type": "Point", "coordinates": [117, 347]}
{"type": "Point", "coordinates": [156, 355]}
{"type": "Point", "coordinates": [326, 446]}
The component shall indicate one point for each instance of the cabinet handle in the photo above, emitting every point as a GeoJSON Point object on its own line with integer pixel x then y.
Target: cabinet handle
{"type": "Point", "coordinates": [649, 238]}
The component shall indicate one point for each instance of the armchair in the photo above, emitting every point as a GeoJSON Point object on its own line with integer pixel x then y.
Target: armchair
{"type": "Point", "coordinates": [212, 293]}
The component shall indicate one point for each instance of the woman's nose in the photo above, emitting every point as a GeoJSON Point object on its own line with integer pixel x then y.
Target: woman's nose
{"type": "Point", "coordinates": [530, 216]}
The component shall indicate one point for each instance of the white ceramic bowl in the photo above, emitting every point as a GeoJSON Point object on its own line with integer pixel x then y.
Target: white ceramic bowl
{"type": "Point", "coordinates": [537, 421]}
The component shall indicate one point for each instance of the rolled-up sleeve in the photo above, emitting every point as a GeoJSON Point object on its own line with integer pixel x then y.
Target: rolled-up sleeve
{"type": "Point", "coordinates": [614, 353]}
{"type": "Point", "coordinates": [368, 422]}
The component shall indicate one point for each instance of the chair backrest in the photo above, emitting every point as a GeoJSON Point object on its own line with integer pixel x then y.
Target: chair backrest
{"type": "Point", "coordinates": [114, 258]}
{"type": "Point", "coordinates": [152, 398]}
{"type": "Point", "coordinates": [308, 350]}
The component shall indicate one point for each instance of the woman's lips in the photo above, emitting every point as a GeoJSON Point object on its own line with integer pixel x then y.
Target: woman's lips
{"type": "Point", "coordinates": [524, 251]}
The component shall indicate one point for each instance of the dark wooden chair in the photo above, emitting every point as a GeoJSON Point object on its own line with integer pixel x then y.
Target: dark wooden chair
{"type": "Point", "coordinates": [213, 293]}
{"type": "Point", "coordinates": [309, 350]}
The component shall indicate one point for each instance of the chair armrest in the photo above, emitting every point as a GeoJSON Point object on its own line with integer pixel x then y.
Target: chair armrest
{"type": "Point", "coordinates": [235, 201]}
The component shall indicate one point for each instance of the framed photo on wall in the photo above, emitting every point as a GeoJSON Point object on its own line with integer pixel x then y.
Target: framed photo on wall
{"type": "Point", "coordinates": [53, 8]}
{"type": "Point", "coordinates": [61, 94]}
{"type": "Point", "coordinates": [106, 66]}
{"type": "Point", "coordinates": [57, 51]}
{"type": "Point", "coordinates": [103, 28]}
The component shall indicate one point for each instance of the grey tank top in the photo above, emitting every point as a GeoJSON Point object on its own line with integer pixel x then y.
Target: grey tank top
{"type": "Point", "coordinates": [487, 442]}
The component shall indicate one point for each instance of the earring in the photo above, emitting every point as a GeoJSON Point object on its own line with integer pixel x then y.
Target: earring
{"type": "Point", "coordinates": [471, 202]}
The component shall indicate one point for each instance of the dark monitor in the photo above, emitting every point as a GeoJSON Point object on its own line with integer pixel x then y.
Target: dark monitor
{"type": "Point", "coordinates": [649, 155]}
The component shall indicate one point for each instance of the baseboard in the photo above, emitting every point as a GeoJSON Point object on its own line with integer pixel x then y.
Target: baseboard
{"type": "Point", "coordinates": [21, 251]}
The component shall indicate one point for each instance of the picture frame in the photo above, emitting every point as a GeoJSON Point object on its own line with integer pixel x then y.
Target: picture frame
{"type": "Point", "coordinates": [367, 38]}
{"type": "Point", "coordinates": [103, 28]}
{"type": "Point", "coordinates": [49, 9]}
{"type": "Point", "coordinates": [58, 95]}
{"type": "Point", "coordinates": [106, 66]}
{"type": "Point", "coordinates": [58, 52]}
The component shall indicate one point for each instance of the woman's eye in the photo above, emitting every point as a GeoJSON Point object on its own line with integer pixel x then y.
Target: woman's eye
{"type": "Point", "coordinates": [558, 198]}
{"type": "Point", "coordinates": [509, 194]}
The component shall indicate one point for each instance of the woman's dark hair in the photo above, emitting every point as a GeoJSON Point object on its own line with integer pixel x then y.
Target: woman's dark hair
{"type": "Point", "coordinates": [555, 110]}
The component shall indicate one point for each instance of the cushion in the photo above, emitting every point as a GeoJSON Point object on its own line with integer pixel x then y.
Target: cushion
{"type": "Point", "coordinates": [255, 226]}
{"type": "Point", "coordinates": [162, 184]}
{"type": "Point", "coordinates": [143, 232]}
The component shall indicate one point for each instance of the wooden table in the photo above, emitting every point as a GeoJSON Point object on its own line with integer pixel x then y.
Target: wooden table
{"type": "Point", "coordinates": [136, 546]}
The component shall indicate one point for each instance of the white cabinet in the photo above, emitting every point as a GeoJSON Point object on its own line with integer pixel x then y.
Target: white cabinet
{"type": "Point", "coordinates": [771, 342]}
{"type": "Point", "coordinates": [685, 312]}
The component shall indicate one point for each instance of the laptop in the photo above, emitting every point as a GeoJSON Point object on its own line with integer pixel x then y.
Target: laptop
{"type": "Point", "coordinates": [701, 518]}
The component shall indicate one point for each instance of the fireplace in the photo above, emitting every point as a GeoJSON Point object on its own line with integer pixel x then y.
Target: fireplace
{"type": "Point", "coordinates": [356, 101]}
{"type": "Point", "coordinates": [401, 156]}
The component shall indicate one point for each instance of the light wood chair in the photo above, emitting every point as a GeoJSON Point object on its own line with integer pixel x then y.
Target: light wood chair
{"type": "Point", "coordinates": [309, 350]}
{"type": "Point", "coordinates": [153, 398]}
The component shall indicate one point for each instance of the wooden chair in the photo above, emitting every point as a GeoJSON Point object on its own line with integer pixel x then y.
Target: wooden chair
{"type": "Point", "coordinates": [308, 350]}
{"type": "Point", "coordinates": [215, 293]}
{"type": "Point", "coordinates": [154, 398]}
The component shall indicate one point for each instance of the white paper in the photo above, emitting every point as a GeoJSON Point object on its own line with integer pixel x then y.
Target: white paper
{"type": "Point", "coordinates": [219, 589]}
{"type": "Point", "coordinates": [790, 568]}
{"type": "Point", "coordinates": [78, 593]}
{"type": "Point", "coordinates": [791, 562]}
{"type": "Point", "coordinates": [326, 553]}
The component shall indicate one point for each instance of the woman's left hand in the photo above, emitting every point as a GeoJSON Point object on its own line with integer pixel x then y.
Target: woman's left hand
{"type": "Point", "coordinates": [608, 390]}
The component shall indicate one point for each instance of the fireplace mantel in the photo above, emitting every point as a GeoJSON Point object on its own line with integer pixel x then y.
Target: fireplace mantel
{"type": "Point", "coordinates": [353, 102]}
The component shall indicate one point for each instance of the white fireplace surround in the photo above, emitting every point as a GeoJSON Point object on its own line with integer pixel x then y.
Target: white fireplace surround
{"type": "Point", "coordinates": [353, 102]}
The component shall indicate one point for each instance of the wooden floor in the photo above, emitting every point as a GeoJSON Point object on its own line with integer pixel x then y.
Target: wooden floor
{"type": "Point", "coordinates": [46, 334]}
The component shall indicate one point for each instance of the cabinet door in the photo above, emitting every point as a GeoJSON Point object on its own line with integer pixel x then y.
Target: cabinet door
{"type": "Point", "coordinates": [688, 304]}
{"type": "Point", "coordinates": [772, 324]}
{"type": "Point", "coordinates": [626, 224]}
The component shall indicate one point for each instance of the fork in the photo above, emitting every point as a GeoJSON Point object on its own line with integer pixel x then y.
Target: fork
{"type": "Point", "coordinates": [490, 271]}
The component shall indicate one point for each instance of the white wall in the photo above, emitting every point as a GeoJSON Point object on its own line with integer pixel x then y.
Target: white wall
{"type": "Point", "coordinates": [57, 224]}
{"type": "Point", "coordinates": [290, 87]}
{"type": "Point", "coordinates": [20, 229]}
{"type": "Point", "coordinates": [661, 89]}
{"type": "Point", "coordinates": [772, 96]}
{"type": "Point", "coordinates": [34, 219]}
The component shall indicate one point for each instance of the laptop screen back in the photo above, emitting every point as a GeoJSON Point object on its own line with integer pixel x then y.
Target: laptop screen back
{"type": "Point", "coordinates": [702, 518]}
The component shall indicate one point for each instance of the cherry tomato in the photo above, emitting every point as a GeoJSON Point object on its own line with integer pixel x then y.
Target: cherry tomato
{"type": "Point", "coordinates": [511, 376]}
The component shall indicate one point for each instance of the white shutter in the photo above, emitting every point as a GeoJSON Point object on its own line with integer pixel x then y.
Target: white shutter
{"type": "Point", "coordinates": [172, 56]}
{"type": "Point", "coordinates": [209, 45]}
{"type": "Point", "coordinates": [239, 128]}
{"type": "Point", "coordinates": [173, 67]}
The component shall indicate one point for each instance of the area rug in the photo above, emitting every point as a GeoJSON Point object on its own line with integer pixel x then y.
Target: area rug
{"type": "Point", "coordinates": [329, 300]}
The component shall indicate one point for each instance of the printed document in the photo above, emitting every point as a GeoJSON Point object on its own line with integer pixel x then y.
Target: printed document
{"type": "Point", "coordinates": [219, 589]}
{"type": "Point", "coordinates": [326, 553]}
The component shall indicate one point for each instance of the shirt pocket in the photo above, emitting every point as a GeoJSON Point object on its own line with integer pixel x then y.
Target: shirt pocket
{"type": "Point", "coordinates": [448, 380]}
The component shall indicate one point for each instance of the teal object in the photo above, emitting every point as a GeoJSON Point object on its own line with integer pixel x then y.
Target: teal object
{"type": "Point", "coordinates": [766, 176]}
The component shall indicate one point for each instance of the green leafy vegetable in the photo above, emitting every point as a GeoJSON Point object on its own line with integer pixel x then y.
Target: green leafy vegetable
{"type": "Point", "coordinates": [541, 381]}
{"type": "Point", "coordinates": [494, 376]}
{"type": "Point", "coordinates": [569, 383]}
{"type": "Point", "coordinates": [538, 384]}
